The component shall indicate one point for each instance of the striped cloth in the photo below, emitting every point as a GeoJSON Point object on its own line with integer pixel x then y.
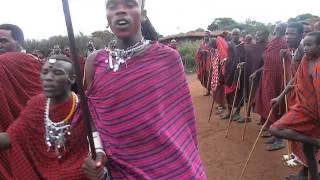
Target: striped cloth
{"type": "Point", "coordinates": [271, 83]}
{"type": "Point", "coordinates": [145, 117]}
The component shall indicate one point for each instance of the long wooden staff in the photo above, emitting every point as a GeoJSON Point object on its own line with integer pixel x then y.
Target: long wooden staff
{"type": "Point", "coordinates": [247, 110]}
{"type": "Point", "coordinates": [285, 96]}
{"type": "Point", "coordinates": [213, 98]}
{"type": "Point", "coordinates": [83, 99]}
{"type": "Point", "coordinates": [234, 100]}
{"type": "Point", "coordinates": [254, 146]}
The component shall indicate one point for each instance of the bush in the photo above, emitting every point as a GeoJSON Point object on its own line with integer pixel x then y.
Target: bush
{"type": "Point", "coordinates": [188, 52]}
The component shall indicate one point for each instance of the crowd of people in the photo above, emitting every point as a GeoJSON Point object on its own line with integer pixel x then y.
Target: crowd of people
{"type": "Point", "coordinates": [143, 121]}
{"type": "Point", "coordinates": [274, 76]}
{"type": "Point", "coordinates": [143, 124]}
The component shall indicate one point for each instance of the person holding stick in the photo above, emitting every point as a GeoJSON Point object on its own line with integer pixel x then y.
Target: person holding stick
{"type": "Point", "coordinates": [271, 83]}
{"type": "Point", "coordinates": [301, 122]}
{"type": "Point", "coordinates": [233, 89]}
{"type": "Point", "coordinates": [140, 103]}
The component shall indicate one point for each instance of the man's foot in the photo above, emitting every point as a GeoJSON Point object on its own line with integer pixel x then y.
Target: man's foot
{"type": "Point", "coordinates": [266, 134]}
{"type": "Point", "coordinates": [271, 140]}
{"type": "Point", "coordinates": [236, 117]}
{"type": "Point", "coordinates": [225, 116]}
{"type": "Point", "coordinates": [220, 110]}
{"type": "Point", "coordinates": [245, 119]}
{"type": "Point", "coordinates": [277, 145]}
{"type": "Point", "coordinates": [207, 94]}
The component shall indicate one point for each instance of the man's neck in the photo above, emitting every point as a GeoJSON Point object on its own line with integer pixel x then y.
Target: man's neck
{"type": "Point", "coordinates": [126, 43]}
{"type": "Point", "coordinates": [61, 99]}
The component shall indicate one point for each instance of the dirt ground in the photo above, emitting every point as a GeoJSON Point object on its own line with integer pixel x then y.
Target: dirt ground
{"type": "Point", "coordinates": [224, 157]}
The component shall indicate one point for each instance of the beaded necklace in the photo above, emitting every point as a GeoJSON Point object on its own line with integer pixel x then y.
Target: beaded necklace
{"type": "Point", "coordinates": [55, 132]}
{"type": "Point", "coordinates": [120, 56]}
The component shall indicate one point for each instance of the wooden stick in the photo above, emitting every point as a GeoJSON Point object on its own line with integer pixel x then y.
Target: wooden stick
{"type": "Point", "coordinates": [233, 104]}
{"type": "Point", "coordinates": [247, 112]}
{"type": "Point", "coordinates": [285, 96]}
{"type": "Point", "coordinates": [83, 100]}
{"type": "Point", "coordinates": [254, 146]}
{"type": "Point", "coordinates": [211, 109]}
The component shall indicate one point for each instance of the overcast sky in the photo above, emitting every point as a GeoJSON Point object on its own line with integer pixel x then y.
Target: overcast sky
{"type": "Point", "coordinates": [44, 18]}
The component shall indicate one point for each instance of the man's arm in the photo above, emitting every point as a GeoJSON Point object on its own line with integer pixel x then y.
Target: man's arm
{"type": "Point", "coordinates": [4, 141]}
{"type": "Point", "coordinates": [289, 88]}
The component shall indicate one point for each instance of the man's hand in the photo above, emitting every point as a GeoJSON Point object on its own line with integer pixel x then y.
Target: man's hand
{"type": "Point", "coordinates": [94, 169]}
{"type": "Point", "coordinates": [275, 102]}
{"type": "Point", "coordinates": [240, 65]}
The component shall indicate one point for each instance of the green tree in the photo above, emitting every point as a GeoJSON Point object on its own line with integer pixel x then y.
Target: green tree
{"type": "Point", "coordinates": [302, 17]}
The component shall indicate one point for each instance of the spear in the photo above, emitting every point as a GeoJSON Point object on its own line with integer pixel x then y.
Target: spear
{"type": "Point", "coordinates": [83, 100]}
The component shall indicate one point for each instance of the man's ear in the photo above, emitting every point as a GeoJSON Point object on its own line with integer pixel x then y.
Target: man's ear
{"type": "Point", "coordinates": [72, 79]}
{"type": "Point", "coordinates": [144, 15]}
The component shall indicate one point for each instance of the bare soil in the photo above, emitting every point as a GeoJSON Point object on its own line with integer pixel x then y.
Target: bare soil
{"type": "Point", "coordinates": [224, 157]}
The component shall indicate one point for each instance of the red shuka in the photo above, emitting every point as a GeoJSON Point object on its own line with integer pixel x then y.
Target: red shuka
{"type": "Point", "coordinates": [20, 80]}
{"type": "Point", "coordinates": [304, 115]}
{"type": "Point", "coordinates": [271, 84]}
{"type": "Point", "coordinates": [29, 156]}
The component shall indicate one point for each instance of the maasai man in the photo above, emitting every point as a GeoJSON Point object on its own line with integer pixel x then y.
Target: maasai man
{"type": "Point", "coordinates": [203, 60]}
{"type": "Point", "coordinates": [254, 62]}
{"type": "Point", "coordinates": [218, 58]}
{"type": "Point", "coordinates": [271, 84]}
{"type": "Point", "coordinates": [301, 123]}
{"type": "Point", "coordinates": [36, 149]}
{"type": "Point", "coordinates": [20, 80]}
{"type": "Point", "coordinates": [307, 28]}
{"type": "Point", "coordinates": [140, 103]}
{"type": "Point", "coordinates": [90, 48]}
{"type": "Point", "coordinates": [236, 55]}
{"type": "Point", "coordinates": [173, 44]}
{"type": "Point", "coordinates": [56, 50]}
{"type": "Point", "coordinates": [249, 39]}
{"type": "Point", "coordinates": [316, 26]}
{"type": "Point", "coordinates": [294, 34]}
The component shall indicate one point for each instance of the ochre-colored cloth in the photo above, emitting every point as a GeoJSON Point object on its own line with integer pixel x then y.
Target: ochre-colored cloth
{"type": "Point", "coordinates": [303, 117]}
{"type": "Point", "coordinates": [271, 84]}
{"type": "Point", "coordinates": [145, 116]}
{"type": "Point", "coordinates": [203, 62]}
{"type": "Point", "coordinates": [20, 80]}
{"type": "Point", "coordinates": [29, 157]}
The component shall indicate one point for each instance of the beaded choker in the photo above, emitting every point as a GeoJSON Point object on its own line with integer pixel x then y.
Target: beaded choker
{"type": "Point", "coordinates": [56, 132]}
{"type": "Point", "coordinates": [120, 56]}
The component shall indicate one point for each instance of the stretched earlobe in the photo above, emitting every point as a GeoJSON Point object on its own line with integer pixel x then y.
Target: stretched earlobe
{"type": "Point", "coordinates": [144, 15]}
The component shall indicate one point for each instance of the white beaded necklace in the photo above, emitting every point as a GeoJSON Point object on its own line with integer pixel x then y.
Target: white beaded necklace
{"type": "Point", "coordinates": [55, 132]}
{"type": "Point", "coordinates": [120, 56]}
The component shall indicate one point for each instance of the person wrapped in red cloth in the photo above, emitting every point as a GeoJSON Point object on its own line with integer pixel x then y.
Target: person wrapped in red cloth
{"type": "Point", "coordinates": [301, 123]}
{"type": "Point", "coordinates": [271, 83]}
{"type": "Point", "coordinates": [218, 58]}
{"type": "Point", "coordinates": [46, 142]}
{"type": "Point", "coordinates": [203, 61]}
{"type": "Point", "coordinates": [20, 80]}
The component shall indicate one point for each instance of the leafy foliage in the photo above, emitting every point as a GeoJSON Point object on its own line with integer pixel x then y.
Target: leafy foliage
{"type": "Point", "coordinates": [188, 52]}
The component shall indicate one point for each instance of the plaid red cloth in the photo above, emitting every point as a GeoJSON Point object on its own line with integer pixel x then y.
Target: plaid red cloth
{"type": "Point", "coordinates": [217, 61]}
{"type": "Point", "coordinates": [29, 157]}
{"type": "Point", "coordinates": [20, 80]}
{"type": "Point", "coordinates": [271, 84]}
{"type": "Point", "coordinates": [303, 117]}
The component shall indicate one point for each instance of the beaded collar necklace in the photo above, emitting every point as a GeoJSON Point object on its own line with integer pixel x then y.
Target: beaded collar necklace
{"type": "Point", "coordinates": [55, 133]}
{"type": "Point", "coordinates": [120, 56]}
